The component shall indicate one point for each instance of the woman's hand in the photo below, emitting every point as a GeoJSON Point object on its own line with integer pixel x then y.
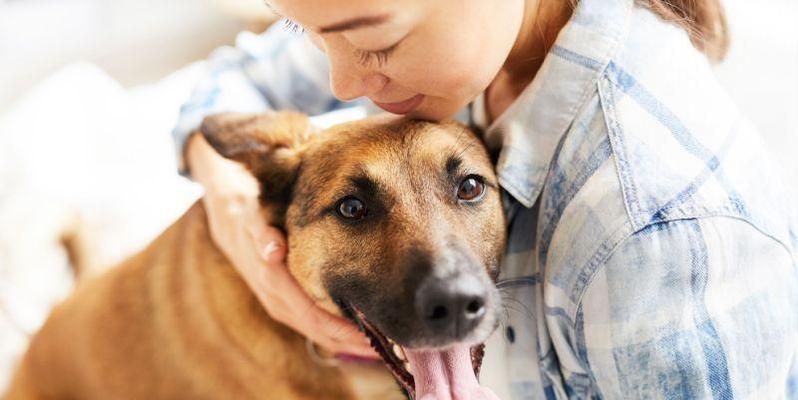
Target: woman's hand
{"type": "Point", "coordinates": [258, 251]}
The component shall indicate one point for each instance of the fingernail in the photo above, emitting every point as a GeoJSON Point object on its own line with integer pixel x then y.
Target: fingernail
{"type": "Point", "coordinates": [269, 249]}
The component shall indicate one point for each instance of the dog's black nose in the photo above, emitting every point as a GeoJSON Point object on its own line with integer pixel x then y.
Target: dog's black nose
{"type": "Point", "coordinates": [451, 308]}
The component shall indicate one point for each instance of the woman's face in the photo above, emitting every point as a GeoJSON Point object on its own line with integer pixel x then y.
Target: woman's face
{"type": "Point", "coordinates": [423, 58]}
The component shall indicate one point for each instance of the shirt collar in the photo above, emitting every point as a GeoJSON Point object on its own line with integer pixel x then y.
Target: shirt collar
{"type": "Point", "coordinates": [529, 131]}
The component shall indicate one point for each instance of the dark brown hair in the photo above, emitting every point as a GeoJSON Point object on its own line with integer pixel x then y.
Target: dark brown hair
{"type": "Point", "coordinates": [704, 20]}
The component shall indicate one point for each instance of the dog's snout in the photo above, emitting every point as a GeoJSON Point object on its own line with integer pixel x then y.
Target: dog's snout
{"type": "Point", "coordinates": [451, 308]}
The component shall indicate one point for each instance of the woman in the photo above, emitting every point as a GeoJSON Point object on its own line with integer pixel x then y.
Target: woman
{"type": "Point", "coordinates": [651, 251]}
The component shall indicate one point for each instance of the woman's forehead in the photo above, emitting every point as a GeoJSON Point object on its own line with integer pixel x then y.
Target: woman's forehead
{"type": "Point", "coordinates": [321, 15]}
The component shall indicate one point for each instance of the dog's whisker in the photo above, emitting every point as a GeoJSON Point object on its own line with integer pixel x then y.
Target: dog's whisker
{"type": "Point", "coordinates": [459, 135]}
{"type": "Point", "coordinates": [471, 143]}
{"type": "Point", "coordinates": [524, 309]}
{"type": "Point", "coordinates": [504, 318]}
{"type": "Point", "coordinates": [508, 309]}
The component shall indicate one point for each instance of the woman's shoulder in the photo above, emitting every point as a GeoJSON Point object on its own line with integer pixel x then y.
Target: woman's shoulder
{"type": "Point", "coordinates": [682, 149]}
{"type": "Point", "coordinates": [679, 147]}
{"type": "Point", "coordinates": [624, 171]}
{"type": "Point", "coordinates": [642, 153]}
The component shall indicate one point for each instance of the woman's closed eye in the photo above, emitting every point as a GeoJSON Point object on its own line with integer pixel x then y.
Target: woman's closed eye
{"type": "Point", "coordinates": [365, 57]}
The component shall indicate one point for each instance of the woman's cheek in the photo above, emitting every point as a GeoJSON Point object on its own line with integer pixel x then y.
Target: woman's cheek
{"type": "Point", "coordinates": [438, 72]}
{"type": "Point", "coordinates": [462, 76]}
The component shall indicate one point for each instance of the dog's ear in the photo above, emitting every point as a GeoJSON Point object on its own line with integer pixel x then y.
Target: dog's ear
{"type": "Point", "coordinates": [269, 145]}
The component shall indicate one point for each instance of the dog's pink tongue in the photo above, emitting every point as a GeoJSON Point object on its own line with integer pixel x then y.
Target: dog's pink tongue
{"type": "Point", "coordinates": [445, 375]}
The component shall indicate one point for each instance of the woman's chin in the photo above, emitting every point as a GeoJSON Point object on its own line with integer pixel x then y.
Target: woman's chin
{"type": "Point", "coordinates": [433, 112]}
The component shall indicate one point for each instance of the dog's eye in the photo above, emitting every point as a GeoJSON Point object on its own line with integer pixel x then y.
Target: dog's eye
{"type": "Point", "coordinates": [352, 208]}
{"type": "Point", "coordinates": [471, 188]}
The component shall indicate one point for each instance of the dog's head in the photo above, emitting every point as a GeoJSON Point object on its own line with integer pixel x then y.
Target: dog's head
{"type": "Point", "coordinates": [395, 223]}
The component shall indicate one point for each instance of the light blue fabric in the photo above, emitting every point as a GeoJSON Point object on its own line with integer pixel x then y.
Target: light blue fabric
{"type": "Point", "coordinates": [652, 245]}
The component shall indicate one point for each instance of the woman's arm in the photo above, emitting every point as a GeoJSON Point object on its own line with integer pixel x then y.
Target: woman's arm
{"type": "Point", "coordinates": [697, 308]}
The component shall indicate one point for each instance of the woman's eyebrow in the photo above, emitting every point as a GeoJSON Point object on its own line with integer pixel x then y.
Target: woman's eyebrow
{"type": "Point", "coordinates": [355, 23]}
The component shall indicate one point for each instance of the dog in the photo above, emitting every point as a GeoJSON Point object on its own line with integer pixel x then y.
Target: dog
{"type": "Point", "coordinates": [394, 223]}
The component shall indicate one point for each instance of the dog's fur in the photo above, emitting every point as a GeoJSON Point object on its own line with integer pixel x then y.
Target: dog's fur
{"type": "Point", "coordinates": [176, 321]}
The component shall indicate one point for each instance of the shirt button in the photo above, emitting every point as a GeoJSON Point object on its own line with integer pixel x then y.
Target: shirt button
{"type": "Point", "coordinates": [510, 333]}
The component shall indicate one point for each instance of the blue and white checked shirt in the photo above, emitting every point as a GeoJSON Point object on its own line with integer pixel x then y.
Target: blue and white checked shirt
{"type": "Point", "coordinates": [652, 246]}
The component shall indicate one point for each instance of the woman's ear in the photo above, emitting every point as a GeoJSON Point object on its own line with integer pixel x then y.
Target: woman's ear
{"type": "Point", "coordinates": [269, 145]}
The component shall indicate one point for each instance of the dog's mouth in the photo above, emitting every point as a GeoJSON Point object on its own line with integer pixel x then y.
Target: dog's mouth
{"type": "Point", "coordinates": [428, 373]}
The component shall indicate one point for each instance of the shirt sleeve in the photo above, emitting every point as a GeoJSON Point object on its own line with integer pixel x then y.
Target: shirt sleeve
{"type": "Point", "coordinates": [276, 70]}
{"type": "Point", "coordinates": [691, 309]}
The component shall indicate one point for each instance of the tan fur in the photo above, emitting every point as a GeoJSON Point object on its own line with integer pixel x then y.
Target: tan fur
{"type": "Point", "coordinates": [174, 322]}
{"type": "Point", "coordinates": [177, 322]}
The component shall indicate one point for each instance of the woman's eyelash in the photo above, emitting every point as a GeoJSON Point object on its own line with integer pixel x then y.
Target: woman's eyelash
{"type": "Point", "coordinates": [365, 57]}
{"type": "Point", "coordinates": [292, 26]}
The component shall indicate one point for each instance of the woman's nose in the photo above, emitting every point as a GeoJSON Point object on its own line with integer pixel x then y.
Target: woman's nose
{"type": "Point", "coordinates": [350, 80]}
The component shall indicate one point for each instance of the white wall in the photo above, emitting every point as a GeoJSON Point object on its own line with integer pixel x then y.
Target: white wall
{"type": "Point", "coordinates": [761, 73]}
{"type": "Point", "coordinates": [135, 41]}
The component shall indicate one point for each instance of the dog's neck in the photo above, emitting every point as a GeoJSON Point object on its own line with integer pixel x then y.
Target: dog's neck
{"type": "Point", "coordinates": [217, 313]}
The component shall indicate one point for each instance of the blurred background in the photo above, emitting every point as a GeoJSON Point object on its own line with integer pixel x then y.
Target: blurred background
{"type": "Point", "coordinates": [134, 41]}
{"type": "Point", "coordinates": [90, 90]}
{"type": "Point", "coordinates": [89, 93]}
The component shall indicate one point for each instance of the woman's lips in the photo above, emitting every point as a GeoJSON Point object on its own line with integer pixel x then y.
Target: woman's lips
{"type": "Point", "coordinates": [402, 107]}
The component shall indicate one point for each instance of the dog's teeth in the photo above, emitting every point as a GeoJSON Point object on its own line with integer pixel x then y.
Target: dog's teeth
{"type": "Point", "coordinates": [398, 351]}
{"type": "Point", "coordinates": [407, 367]}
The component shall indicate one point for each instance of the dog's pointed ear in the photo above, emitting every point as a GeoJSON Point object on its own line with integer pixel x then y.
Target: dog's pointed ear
{"type": "Point", "coordinates": [269, 145]}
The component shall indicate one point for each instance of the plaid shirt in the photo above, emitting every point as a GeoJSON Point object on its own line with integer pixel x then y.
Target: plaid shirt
{"type": "Point", "coordinates": [651, 248]}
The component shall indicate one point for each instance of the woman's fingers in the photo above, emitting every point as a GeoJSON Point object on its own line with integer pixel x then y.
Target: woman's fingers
{"type": "Point", "coordinates": [339, 335]}
{"type": "Point", "coordinates": [270, 241]}
{"type": "Point", "coordinates": [297, 310]}
{"type": "Point", "coordinates": [335, 334]}
{"type": "Point", "coordinates": [288, 303]}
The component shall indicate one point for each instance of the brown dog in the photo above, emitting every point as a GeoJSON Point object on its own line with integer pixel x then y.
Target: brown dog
{"type": "Point", "coordinates": [394, 223]}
